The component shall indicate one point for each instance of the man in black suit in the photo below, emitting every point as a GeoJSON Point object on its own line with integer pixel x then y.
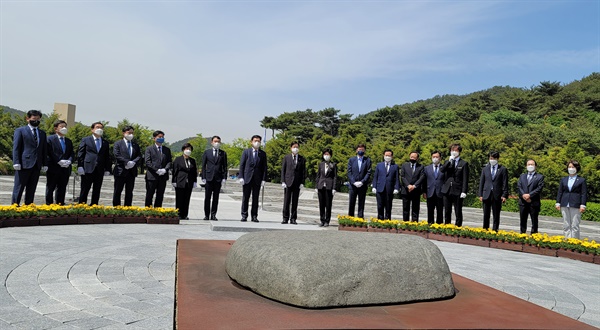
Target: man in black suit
{"type": "Point", "coordinates": [455, 185]}
{"type": "Point", "coordinates": [435, 180]}
{"type": "Point", "coordinates": [60, 157]}
{"type": "Point", "coordinates": [359, 172]}
{"type": "Point", "coordinates": [29, 157]}
{"type": "Point", "coordinates": [214, 175]}
{"type": "Point", "coordinates": [385, 184]}
{"type": "Point", "coordinates": [93, 163]}
{"type": "Point", "coordinates": [493, 190]}
{"type": "Point", "coordinates": [127, 156]}
{"type": "Point", "coordinates": [158, 162]}
{"type": "Point", "coordinates": [253, 175]}
{"type": "Point", "coordinates": [412, 177]}
{"type": "Point", "coordinates": [293, 174]}
{"type": "Point", "coordinates": [530, 187]}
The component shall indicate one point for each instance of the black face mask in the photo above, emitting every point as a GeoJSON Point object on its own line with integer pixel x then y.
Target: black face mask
{"type": "Point", "coordinates": [34, 123]}
{"type": "Point", "coordinates": [413, 161]}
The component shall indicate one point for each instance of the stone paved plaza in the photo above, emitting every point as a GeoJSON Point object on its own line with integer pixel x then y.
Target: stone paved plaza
{"type": "Point", "coordinates": [122, 276]}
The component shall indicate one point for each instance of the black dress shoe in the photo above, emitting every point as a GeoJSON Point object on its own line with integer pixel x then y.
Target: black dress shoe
{"type": "Point", "coordinates": [293, 222]}
{"type": "Point", "coordinates": [243, 220]}
{"type": "Point", "coordinates": [214, 218]}
{"type": "Point", "coordinates": [284, 222]}
{"type": "Point", "coordinates": [326, 225]}
{"type": "Point", "coordinates": [321, 224]}
{"type": "Point", "coordinates": [205, 218]}
{"type": "Point", "coordinates": [186, 218]}
{"type": "Point", "coordinates": [254, 219]}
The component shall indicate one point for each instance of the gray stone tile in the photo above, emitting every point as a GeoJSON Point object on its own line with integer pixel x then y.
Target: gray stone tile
{"type": "Point", "coordinates": [53, 308]}
{"type": "Point", "coordinates": [91, 323]}
{"type": "Point", "coordinates": [36, 323]}
{"type": "Point", "coordinates": [70, 316]}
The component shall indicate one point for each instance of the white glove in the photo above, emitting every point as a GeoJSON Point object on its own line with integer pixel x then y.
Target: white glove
{"type": "Point", "coordinates": [44, 169]}
{"type": "Point", "coordinates": [283, 185]}
{"type": "Point", "coordinates": [224, 181]}
{"type": "Point", "coordinates": [106, 173]}
{"type": "Point", "coordinates": [317, 191]}
{"type": "Point", "coordinates": [301, 186]}
{"type": "Point", "coordinates": [65, 163]}
{"type": "Point", "coordinates": [463, 195]}
{"type": "Point", "coordinates": [262, 183]}
{"type": "Point", "coordinates": [161, 171]}
{"type": "Point", "coordinates": [333, 192]}
{"type": "Point", "coordinates": [80, 171]}
{"type": "Point", "coordinates": [195, 184]}
{"type": "Point", "coordinates": [174, 184]}
{"type": "Point", "coordinates": [374, 190]}
{"type": "Point", "coordinates": [17, 167]}
{"type": "Point", "coordinates": [395, 191]}
{"type": "Point", "coordinates": [242, 181]}
{"type": "Point", "coordinates": [61, 163]}
{"type": "Point", "coordinates": [203, 181]}
{"type": "Point", "coordinates": [358, 184]}
{"type": "Point", "coordinates": [451, 158]}
{"type": "Point", "coordinates": [130, 164]}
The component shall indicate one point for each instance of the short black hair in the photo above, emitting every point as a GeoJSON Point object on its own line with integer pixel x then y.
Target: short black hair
{"type": "Point", "coordinates": [58, 122]}
{"type": "Point", "coordinates": [157, 133]}
{"type": "Point", "coordinates": [328, 150]}
{"type": "Point", "coordinates": [294, 142]}
{"type": "Point", "coordinates": [386, 150]}
{"type": "Point", "coordinates": [534, 162]}
{"type": "Point", "coordinates": [436, 152]}
{"type": "Point", "coordinates": [187, 145]}
{"type": "Point", "coordinates": [215, 137]}
{"type": "Point", "coordinates": [456, 145]}
{"type": "Point", "coordinates": [32, 113]}
{"type": "Point", "coordinates": [361, 145]}
{"type": "Point", "coordinates": [494, 154]}
{"type": "Point", "coordinates": [575, 164]}
{"type": "Point", "coordinates": [96, 123]}
{"type": "Point", "coordinates": [127, 128]}
{"type": "Point", "coordinates": [255, 136]}
{"type": "Point", "coordinates": [415, 152]}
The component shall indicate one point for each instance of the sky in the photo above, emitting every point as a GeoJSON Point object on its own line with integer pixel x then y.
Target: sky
{"type": "Point", "coordinates": [219, 67]}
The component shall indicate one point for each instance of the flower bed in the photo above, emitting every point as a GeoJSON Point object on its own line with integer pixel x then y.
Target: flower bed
{"type": "Point", "coordinates": [584, 249]}
{"type": "Point", "coordinates": [33, 215]}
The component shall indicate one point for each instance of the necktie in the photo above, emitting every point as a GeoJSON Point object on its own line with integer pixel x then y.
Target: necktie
{"type": "Point", "coordinates": [62, 144]}
{"type": "Point", "coordinates": [295, 161]}
{"type": "Point", "coordinates": [493, 172]}
{"type": "Point", "coordinates": [254, 153]}
{"type": "Point", "coordinates": [129, 147]}
{"type": "Point", "coordinates": [529, 176]}
{"type": "Point", "coordinates": [35, 136]}
{"type": "Point", "coordinates": [359, 163]}
{"type": "Point", "coordinates": [387, 167]}
{"type": "Point", "coordinates": [326, 167]}
{"type": "Point", "coordinates": [435, 171]}
{"type": "Point", "coordinates": [98, 145]}
{"type": "Point", "coordinates": [187, 163]}
{"type": "Point", "coordinates": [215, 153]}
{"type": "Point", "coordinates": [413, 168]}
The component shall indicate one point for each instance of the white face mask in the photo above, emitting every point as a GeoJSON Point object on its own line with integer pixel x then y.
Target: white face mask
{"type": "Point", "coordinates": [216, 145]}
{"type": "Point", "coordinates": [530, 168]}
{"type": "Point", "coordinates": [572, 170]}
{"type": "Point", "coordinates": [99, 131]}
{"type": "Point", "coordinates": [435, 160]}
{"type": "Point", "coordinates": [387, 158]}
{"type": "Point", "coordinates": [327, 158]}
{"type": "Point", "coordinates": [493, 162]}
{"type": "Point", "coordinates": [63, 131]}
{"type": "Point", "coordinates": [295, 151]}
{"type": "Point", "coordinates": [128, 137]}
{"type": "Point", "coordinates": [187, 152]}
{"type": "Point", "coordinates": [454, 153]}
{"type": "Point", "coordinates": [256, 144]}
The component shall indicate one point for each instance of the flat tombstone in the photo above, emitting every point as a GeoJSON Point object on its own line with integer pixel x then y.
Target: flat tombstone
{"type": "Point", "coordinates": [332, 269]}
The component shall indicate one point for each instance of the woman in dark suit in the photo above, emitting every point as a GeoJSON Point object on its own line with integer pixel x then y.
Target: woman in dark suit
{"type": "Point", "coordinates": [185, 176]}
{"type": "Point", "coordinates": [326, 183]}
{"type": "Point", "coordinates": [571, 199]}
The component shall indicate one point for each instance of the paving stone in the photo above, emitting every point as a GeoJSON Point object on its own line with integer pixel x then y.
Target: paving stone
{"type": "Point", "coordinates": [70, 316]}
{"type": "Point", "coordinates": [91, 323]}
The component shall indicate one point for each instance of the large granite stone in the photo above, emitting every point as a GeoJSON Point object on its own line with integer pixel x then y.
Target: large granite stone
{"type": "Point", "coordinates": [328, 268]}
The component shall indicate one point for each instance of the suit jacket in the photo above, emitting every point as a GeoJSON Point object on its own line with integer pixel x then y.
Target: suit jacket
{"type": "Point", "coordinates": [409, 178]}
{"type": "Point", "coordinates": [121, 153]}
{"type": "Point", "coordinates": [89, 158]}
{"type": "Point", "coordinates": [253, 170]}
{"type": "Point", "coordinates": [354, 174]}
{"type": "Point", "coordinates": [575, 197]}
{"type": "Point", "coordinates": [56, 154]}
{"type": "Point", "coordinates": [182, 175]}
{"type": "Point", "coordinates": [327, 180]}
{"type": "Point", "coordinates": [496, 187]}
{"type": "Point", "coordinates": [386, 180]}
{"type": "Point", "coordinates": [26, 151]}
{"type": "Point", "coordinates": [533, 188]}
{"type": "Point", "coordinates": [214, 168]}
{"type": "Point", "coordinates": [293, 175]}
{"type": "Point", "coordinates": [155, 161]}
{"type": "Point", "coordinates": [457, 177]}
{"type": "Point", "coordinates": [433, 184]}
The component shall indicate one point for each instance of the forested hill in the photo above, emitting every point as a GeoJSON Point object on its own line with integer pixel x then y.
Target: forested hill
{"type": "Point", "coordinates": [550, 122]}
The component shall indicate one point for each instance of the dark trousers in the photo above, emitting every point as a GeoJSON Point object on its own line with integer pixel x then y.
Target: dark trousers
{"type": "Point", "coordinates": [158, 187]}
{"type": "Point", "coordinates": [411, 201]}
{"type": "Point", "coordinates": [25, 180]}
{"type": "Point", "coordinates": [253, 189]}
{"type": "Point", "coordinates": [95, 178]}
{"type": "Point", "coordinates": [120, 182]}
{"type": "Point", "coordinates": [384, 205]}
{"type": "Point", "coordinates": [291, 196]}
{"type": "Point", "coordinates": [457, 202]}
{"type": "Point", "coordinates": [57, 181]}
{"type": "Point", "coordinates": [493, 205]}
{"type": "Point", "coordinates": [361, 194]}
{"type": "Point", "coordinates": [435, 205]}
{"type": "Point", "coordinates": [528, 209]}
{"type": "Point", "coordinates": [212, 189]}
{"type": "Point", "coordinates": [182, 200]}
{"type": "Point", "coordinates": [325, 202]}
